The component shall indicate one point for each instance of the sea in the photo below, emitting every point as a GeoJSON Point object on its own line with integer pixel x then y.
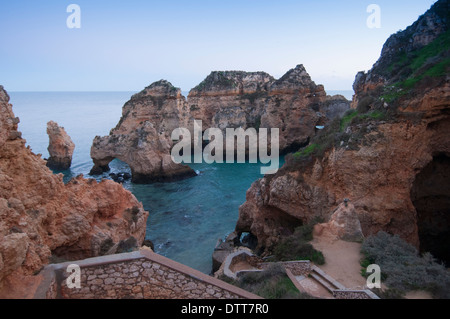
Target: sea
{"type": "Point", "coordinates": [187, 218]}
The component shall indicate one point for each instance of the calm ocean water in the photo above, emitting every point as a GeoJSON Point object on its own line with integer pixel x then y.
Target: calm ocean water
{"type": "Point", "coordinates": [187, 217]}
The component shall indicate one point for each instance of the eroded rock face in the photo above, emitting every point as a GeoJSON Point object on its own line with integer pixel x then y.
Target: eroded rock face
{"type": "Point", "coordinates": [344, 224]}
{"type": "Point", "coordinates": [142, 138]}
{"type": "Point", "coordinates": [8, 122]}
{"type": "Point", "coordinates": [40, 217]}
{"type": "Point", "coordinates": [60, 147]}
{"type": "Point", "coordinates": [377, 178]}
{"type": "Point", "coordinates": [232, 99]}
{"type": "Point", "coordinates": [375, 162]}
{"type": "Point", "coordinates": [294, 104]}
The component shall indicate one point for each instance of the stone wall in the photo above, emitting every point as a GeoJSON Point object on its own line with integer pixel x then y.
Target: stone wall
{"type": "Point", "coordinates": [297, 268]}
{"type": "Point", "coordinates": [354, 294]}
{"type": "Point", "coordinates": [137, 275]}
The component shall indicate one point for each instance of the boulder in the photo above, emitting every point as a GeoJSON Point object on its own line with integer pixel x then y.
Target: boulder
{"type": "Point", "coordinates": [344, 224]}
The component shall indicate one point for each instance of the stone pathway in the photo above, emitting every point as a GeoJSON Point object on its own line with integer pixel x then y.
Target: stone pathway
{"type": "Point", "coordinates": [313, 288]}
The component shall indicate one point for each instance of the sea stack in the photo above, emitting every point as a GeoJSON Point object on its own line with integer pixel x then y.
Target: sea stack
{"type": "Point", "coordinates": [60, 147]}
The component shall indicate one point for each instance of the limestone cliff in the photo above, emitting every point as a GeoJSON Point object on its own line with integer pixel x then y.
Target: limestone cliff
{"type": "Point", "coordinates": [294, 103]}
{"type": "Point", "coordinates": [60, 147]}
{"type": "Point", "coordinates": [42, 219]}
{"type": "Point", "coordinates": [142, 138]}
{"type": "Point", "coordinates": [230, 99]}
{"type": "Point", "coordinates": [390, 155]}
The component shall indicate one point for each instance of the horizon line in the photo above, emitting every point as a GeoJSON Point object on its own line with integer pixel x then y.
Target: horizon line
{"type": "Point", "coordinates": [114, 91]}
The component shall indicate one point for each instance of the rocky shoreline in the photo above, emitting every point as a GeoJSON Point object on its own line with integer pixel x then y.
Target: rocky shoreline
{"type": "Point", "coordinates": [44, 220]}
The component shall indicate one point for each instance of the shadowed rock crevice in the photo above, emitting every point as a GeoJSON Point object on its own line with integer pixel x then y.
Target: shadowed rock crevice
{"type": "Point", "coordinates": [431, 197]}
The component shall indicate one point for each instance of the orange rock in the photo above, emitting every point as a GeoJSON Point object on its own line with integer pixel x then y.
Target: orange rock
{"type": "Point", "coordinates": [60, 147]}
{"type": "Point", "coordinates": [42, 218]}
{"type": "Point", "coordinates": [231, 99]}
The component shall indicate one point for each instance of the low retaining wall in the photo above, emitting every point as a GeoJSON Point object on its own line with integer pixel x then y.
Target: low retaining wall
{"type": "Point", "coordinates": [354, 294]}
{"type": "Point", "coordinates": [140, 275]}
{"type": "Point", "coordinates": [294, 269]}
{"type": "Point", "coordinates": [297, 268]}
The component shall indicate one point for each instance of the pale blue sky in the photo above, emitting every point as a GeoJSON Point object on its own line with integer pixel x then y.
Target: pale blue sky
{"type": "Point", "coordinates": [127, 45]}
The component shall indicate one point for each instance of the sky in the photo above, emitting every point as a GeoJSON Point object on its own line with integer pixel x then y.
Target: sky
{"type": "Point", "coordinates": [127, 45]}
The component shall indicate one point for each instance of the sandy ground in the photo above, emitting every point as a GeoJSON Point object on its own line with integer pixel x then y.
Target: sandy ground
{"type": "Point", "coordinates": [342, 261]}
{"type": "Point", "coordinates": [343, 264]}
{"type": "Point", "coordinates": [418, 295]}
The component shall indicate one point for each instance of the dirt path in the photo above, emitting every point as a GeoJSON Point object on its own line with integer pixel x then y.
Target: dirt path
{"type": "Point", "coordinates": [342, 261]}
{"type": "Point", "coordinates": [343, 264]}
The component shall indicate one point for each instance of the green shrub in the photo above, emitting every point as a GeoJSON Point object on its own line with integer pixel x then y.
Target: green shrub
{"type": "Point", "coordinates": [307, 151]}
{"type": "Point", "coordinates": [374, 115]}
{"type": "Point", "coordinates": [347, 118]}
{"type": "Point", "coordinates": [297, 246]}
{"type": "Point", "coordinates": [409, 68]}
{"type": "Point", "coordinates": [355, 116]}
{"type": "Point", "coordinates": [392, 93]}
{"type": "Point", "coordinates": [364, 104]}
{"type": "Point", "coordinates": [403, 269]}
{"type": "Point", "coordinates": [439, 69]}
{"type": "Point", "coordinates": [272, 283]}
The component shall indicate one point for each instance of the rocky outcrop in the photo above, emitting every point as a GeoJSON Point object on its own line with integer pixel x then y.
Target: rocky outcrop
{"type": "Point", "coordinates": [8, 122]}
{"type": "Point", "coordinates": [43, 220]}
{"type": "Point", "coordinates": [232, 99]}
{"type": "Point", "coordinates": [374, 155]}
{"type": "Point", "coordinates": [403, 58]}
{"type": "Point", "coordinates": [294, 103]}
{"type": "Point", "coordinates": [344, 224]}
{"type": "Point", "coordinates": [142, 138]}
{"type": "Point", "coordinates": [60, 147]}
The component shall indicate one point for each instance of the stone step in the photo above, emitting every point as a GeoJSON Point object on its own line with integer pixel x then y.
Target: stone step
{"type": "Point", "coordinates": [323, 282]}
{"type": "Point", "coordinates": [324, 279]}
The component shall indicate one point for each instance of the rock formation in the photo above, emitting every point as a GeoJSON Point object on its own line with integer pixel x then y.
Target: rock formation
{"type": "Point", "coordinates": [60, 147]}
{"type": "Point", "coordinates": [230, 99]}
{"type": "Point", "coordinates": [375, 154]}
{"type": "Point", "coordinates": [294, 103]}
{"type": "Point", "coordinates": [43, 220]}
{"type": "Point", "coordinates": [343, 224]}
{"type": "Point", "coordinates": [142, 138]}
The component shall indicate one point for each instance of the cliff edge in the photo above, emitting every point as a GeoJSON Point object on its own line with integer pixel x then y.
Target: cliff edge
{"type": "Point", "coordinates": [42, 220]}
{"type": "Point", "coordinates": [390, 154]}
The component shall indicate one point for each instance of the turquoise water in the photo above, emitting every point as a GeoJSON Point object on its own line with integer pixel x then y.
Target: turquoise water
{"type": "Point", "coordinates": [187, 217]}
